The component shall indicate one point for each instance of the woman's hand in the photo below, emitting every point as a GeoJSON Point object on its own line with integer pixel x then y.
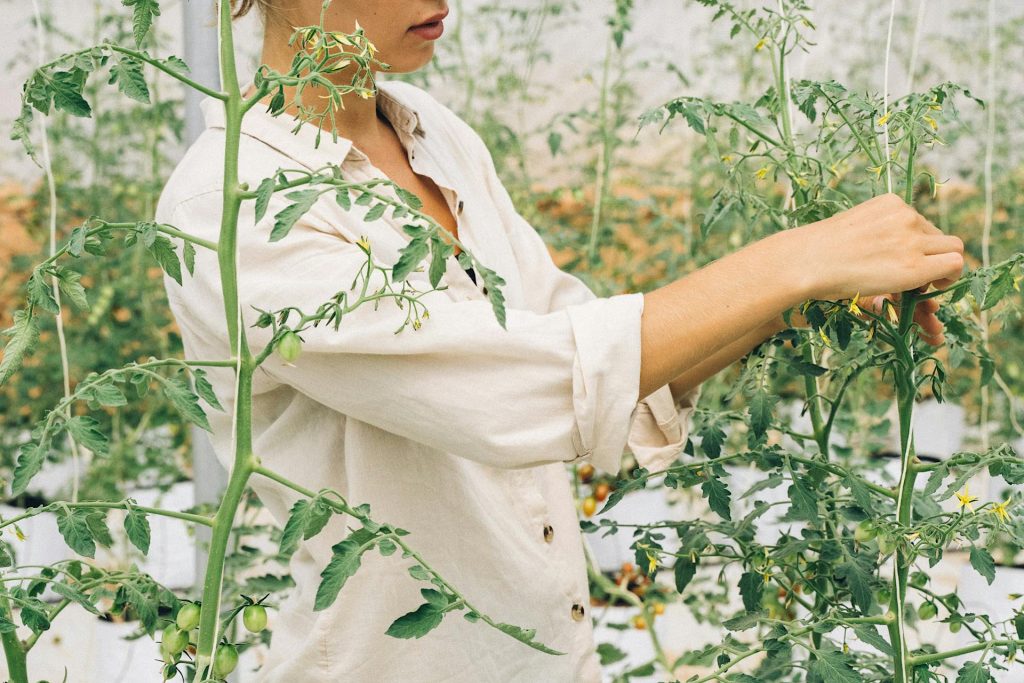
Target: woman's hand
{"type": "Point", "coordinates": [880, 246]}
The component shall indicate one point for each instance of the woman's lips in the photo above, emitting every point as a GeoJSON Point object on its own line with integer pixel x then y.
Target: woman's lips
{"type": "Point", "coordinates": [431, 31]}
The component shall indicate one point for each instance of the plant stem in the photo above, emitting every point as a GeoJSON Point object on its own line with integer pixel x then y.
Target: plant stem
{"type": "Point", "coordinates": [14, 652]}
{"type": "Point", "coordinates": [966, 650]}
{"type": "Point", "coordinates": [244, 463]}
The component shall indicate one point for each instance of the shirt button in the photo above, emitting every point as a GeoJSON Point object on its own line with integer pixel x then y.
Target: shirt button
{"type": "Point", "coordinates": [549, 532]}
{"type": "Point", "coordinates": [460, 206]}
{"type": "Point", "coordinates": [577, 611]}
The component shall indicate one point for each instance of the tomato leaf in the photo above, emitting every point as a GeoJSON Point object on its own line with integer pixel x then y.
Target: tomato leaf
{"type": "Point", "coordinates": [417, 623]}
{"type": "Point", "coordinates": [285, 219]}
{"type": "Point", "coordinates": [983, 563]}
{"type": "Point", "coordinates": [833, 667]}
{"type": "Point", "coordinates": [344, 563]}
{"type": "Point", "coordinates": [75, 530]}
{"type": "Point", "coordinates": [973, 672]}
{"type": "Point", "coordinates": [143, 13]}
{"type": "Point", "coordinates": [718, 496]}
{"type": "Point", "coordinates": [751, 589]}
{"type": "Point", "coordinates": [136, 525]}
{"type": "Point", "coordinates": [24, 335]}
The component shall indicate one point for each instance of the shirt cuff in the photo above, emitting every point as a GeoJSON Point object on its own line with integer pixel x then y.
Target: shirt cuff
{"type": "Point", "coordinates": [660, 427]}
{"type": "Point", "coordinates": [606, 376]}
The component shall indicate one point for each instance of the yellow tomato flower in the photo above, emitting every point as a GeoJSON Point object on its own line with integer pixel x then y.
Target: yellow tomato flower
{"type": "Point", "coordinates": [760, 44]}
{"type": "Point", "coordinates": [885, 118]}
{"type": "Point", "coordinates": [416, 324]}
{"type": "Point", "coordinates": [824, 337]}
{"type": "Point", "coordinates": [931, 122]}
{"type": "Point", "coordinates": [17, 532]}
{"type": "Point", "coordinates": [877, 170]}
{"type": "Point", "coordinates": [801, 181]}
{"type": "Point", "coordinates": [966, 499]}
{"type": "Point", "coordinates": [854, 308]}
{"type": "Point", "coordinates": [761, 172]}
{"type": "Point", "coordinates": [1016, 282]}
{"type": "Point", "coordinates": [363, 242]}
{"type": "Point", "coordinates": [652, 562]}
{"type": "Point", "coordinates": [999, 510]}
{"type": "Point", "coordinates": [726, 157]}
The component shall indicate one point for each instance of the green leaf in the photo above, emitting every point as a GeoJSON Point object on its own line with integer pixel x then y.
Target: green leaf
{"type": "Point", "coordinates": [409, 198]}
{"type": "Point", "coordinates": [760, 412]}
{"type": "Point", "coordinates": [24, 334]}
{"type": "Point", "coordinates": [136, 525]}
{"type": "Point", "coordinates": [718, 496]}
{"type": "Point", "coordinates": [205, 389]}
{"type": "Point", "coordinates": [163, 251]}
{"type": "Point", "coordinates": [983, 563]}
{"type": "Point", "coordinates": [342, 197]}
{"type": "Point", "coordinates": [751, 589]}
{"type": "Point", "coordinates": [75, 595]}
{"type": "Point", "coordinates": [318, 515]}
{"type": "Point", "coordinates": [410, 256]}
{"type": "Point", "coordinates": [711, 439]}
{"type": "Point", "coordinates": [285, 219]}
{"type": "Point", "coordinates": [417, 623]}
{"type": "Point", "coordinates": [188, 254]}
{"type": "Point", "coordinates": [86, 431]}
{"type": "Point", "coordinates": [106, 394]}
{"type": "Point", "coordinates": [130, 80]}
{"type": "Point", "coordinates": [67, 92]}
{"type": "Point", "coordinates": [143, 13]}
{"type": "Point", "coordinates": [96, 519]}
{"type": "Point", "coordinates": [185, 401]}
{"type": "Point", "coordinates": [375, 212]}
{"type": "Point", "coordinates": [803, 499]}
{"type": "Point", "coordinates": [68, 281]}
{"type": "Point", "coordinates": [834, 667]}
{"type": "Point", "coordinates": [861, 493]}
{"type": "Point", "coordinates": [344, 563]}
{"type": "Point", "coordinates": [263, 195]}
{"type": "Point", "coordinates": [75, 530]}
{"type": "Point", "coordinates": [869, 634]}
{"type": "Point", "coordinates": [29, 464]}
{"type": "Point", "coordinates": [40, 292]}
{"type": "Point", "coordinates": [525, 636]}
{"type": "Point", "coordinates": [973, 672]}
{"type": "Point", "coordinates": [293, 528]}
{"type": "Point", "coordinates": [7, 626]}
{"type": "Point", "coordinates": [684, 572]}
{"type": "Point", "coordinates": [858, 582]}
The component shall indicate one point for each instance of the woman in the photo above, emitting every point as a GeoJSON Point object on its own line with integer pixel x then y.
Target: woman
{"type": "Point", "coordinates": [459, 431]}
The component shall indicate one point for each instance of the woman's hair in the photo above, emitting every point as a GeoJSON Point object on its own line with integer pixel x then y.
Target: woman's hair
{"type": "Point", "coordinates": [269, 9]}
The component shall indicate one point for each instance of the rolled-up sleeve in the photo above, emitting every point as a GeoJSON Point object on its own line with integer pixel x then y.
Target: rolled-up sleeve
{"type": "Point", "coordinates": [557, 386]}
{"type": "Point", "coordinates": [658, 425]}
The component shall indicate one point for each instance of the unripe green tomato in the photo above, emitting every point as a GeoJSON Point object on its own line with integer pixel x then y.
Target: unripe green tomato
{"type": "Point", "coordinates": [865, 531]}
{"type": "Point", "coordinates": [170, 671]}
{"type": "Point", "coordinates": [174, 640]}
{"type": "Point", "coordinates": [884, 596]}
{"type": "Point", "coordinates": [289, 346]}
{"type": "Point", "coordinates": [255, 618]}
{"type": "Point", "coordinates": [886, 544]}
{"type": "Point", "coordinates": [188, 616]}
{"type": "Point", "coordinates": [927, 610]}
{"type": "Point", "coordinates": [955, 626]}
{"type": "Point", "coordinates": [225, 661]}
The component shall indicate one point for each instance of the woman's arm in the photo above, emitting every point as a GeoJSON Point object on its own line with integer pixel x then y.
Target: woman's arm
{"type": "Point", "coordinates": [696, 324]}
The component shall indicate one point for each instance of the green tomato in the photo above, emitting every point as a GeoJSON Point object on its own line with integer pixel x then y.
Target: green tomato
{"type": "Point", "coordinates": [955, 626]}
{"type": "Point", "coordinates": [886, 544]}
{"type": "Point", "coordinates": [884, 596]}
{"type": "Point", "coordinates": [170, 671]}
{"type": "Point", "coordinates": [225, 661]}
{"type": "Point", "coordinates": [174, 640]}
{"type": "Point", "coordinates": [255, 618]}
{"type": "Point", "coordinates": [188, 616]}
{"type": "Point", "coordinates": [927, 610]}
{"type": "Point", "coordinates": [289, 346]}
{"type": "Point", "coordinates": [865, 531]}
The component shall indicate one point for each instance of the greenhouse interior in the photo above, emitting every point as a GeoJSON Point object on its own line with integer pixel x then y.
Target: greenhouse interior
{"type": "Point", "coordinates": [693, 352]}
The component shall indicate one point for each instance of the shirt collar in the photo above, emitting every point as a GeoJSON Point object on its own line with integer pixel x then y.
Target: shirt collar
{"type": "Point", "coordinates": [301, 145]}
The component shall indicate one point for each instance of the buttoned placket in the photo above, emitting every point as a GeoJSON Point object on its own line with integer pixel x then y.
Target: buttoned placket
{"type": "Point", "coordinates": [529, 484]}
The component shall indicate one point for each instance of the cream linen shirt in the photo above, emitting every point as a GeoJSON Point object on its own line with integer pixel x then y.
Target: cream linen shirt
{"type": "Point", "coordinates": [459, 431]}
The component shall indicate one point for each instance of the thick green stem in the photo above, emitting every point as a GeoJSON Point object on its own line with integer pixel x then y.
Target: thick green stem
{"type": "Point", "coordinates": [14, 652]}
{"type": "Point", "coordinates": [244, 462]}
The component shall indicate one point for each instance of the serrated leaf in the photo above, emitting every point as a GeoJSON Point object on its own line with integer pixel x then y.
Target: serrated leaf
{"type": "Point", "coordinates": [136, 525]}
{"type": "Point", "coordinates": [96, 520]}
{"type": "Point", "coordinates": [86, 431]}
{"type": "Point", "coordinates": [263, 194]}
{"type": "Point", "coordinates": [345, 561]}
{"type": "Point", "coordinates": [683, 572]}
{"type": "Point", "coordinates": [869, 634]}
{"type": "Point", "coordinates": [409, 198]}
{"type": "Point", "coordinates": [834, 667]}
{"type": "Point", "coordinates": [24, 334]}
{"type": "Point", "coordinates": [858, 582]}
{"type": "Point", "coordinates": [68, 281]}
{"type": "Point", "coordinates": [185, 401]}
{"type": "Point", "coordinates": [417, 623]}
{"type": "Point", "coordinates": [143, 13]}
{"type": "Point", "coordinates": [718, 496]}
{"type": "Point", "coordinates": [803, 499]}
{"type": "Point", "coordinates": [205, 389]}
{"type": "Point", "coordinates": [130, 80]}
{"type": "Point", "coordinates": [375, 212]}
{"type": "Point", "coordinates": [75, 595]}
{"type": "Point", "coordinates": [410, 256]}
{"type": "Point", "coordinates": [317, 516]}
{"type": "Point", "coordinates": [188, 254]}
{"type": "Point", "coordinates": [29, 463]}
{"type": "Point", "coordinates": [983, 563]}
{"type": "Point", "coordinates": [760, 412]}
{"type": "Point", "coordinates": [294, 527]}
{"type": "Point", "coordinates": [973, 672]}
{"type": "Point", "coordinates": [163, 251]}
{"type": "Point", "coordinates": [751, 589]}
{"type": "Point", "coordinates": [285, 219]}
{"type": "Point", "coordinates": [75, 530]}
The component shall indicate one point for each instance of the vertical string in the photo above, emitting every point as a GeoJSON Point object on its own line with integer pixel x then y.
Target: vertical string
{"type": "Point", "coordinates": [52, 213]}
